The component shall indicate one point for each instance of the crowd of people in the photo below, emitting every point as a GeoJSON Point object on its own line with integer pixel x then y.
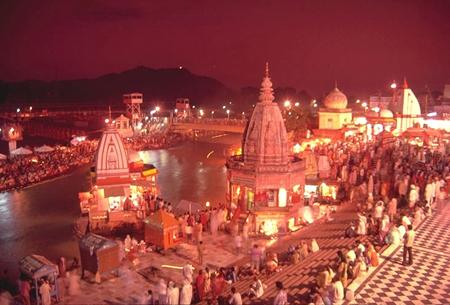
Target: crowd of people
{"type": "Point", "coordinates": [155, 141]}
{"type": "Point", "coordinates": [21, 171]}
{"type": "Point", "coordinates": [392, 188]}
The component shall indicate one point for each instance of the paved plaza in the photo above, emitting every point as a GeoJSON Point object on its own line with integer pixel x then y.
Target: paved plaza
{"type": "Point", "coordinates": [427, 281]}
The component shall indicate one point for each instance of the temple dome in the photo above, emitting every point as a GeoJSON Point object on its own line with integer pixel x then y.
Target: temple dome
{"type": "Point", "coordinates": [386, 114]}
{"type": "Point", "coordinates": [336, 99]}
{"type": "Point", "coordinates": [265, 139]}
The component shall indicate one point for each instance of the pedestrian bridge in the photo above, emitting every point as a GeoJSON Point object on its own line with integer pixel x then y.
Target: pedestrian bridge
{"type": "Point", "coordinates": [224, 125]}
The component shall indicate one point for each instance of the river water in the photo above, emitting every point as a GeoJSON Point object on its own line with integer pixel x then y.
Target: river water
{"type": "Point", "coordinates": [39, 219]}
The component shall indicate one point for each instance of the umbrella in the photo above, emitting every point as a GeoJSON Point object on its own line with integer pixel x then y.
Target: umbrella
{"type": "Point", "coordinates": [3, 157]}
{"type": "Point", "coordinates": [43, 149]}
{"type": "Point", "coordinates": [21, 151]}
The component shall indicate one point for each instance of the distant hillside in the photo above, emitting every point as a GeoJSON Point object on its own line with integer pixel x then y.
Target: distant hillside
{"type": "Point", "coordinates": [156, 85]}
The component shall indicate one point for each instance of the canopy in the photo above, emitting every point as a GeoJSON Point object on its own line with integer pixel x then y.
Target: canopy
{"type": "Point", "coordinates": [43, 149]}
{"type": "Point", "coordinates": [37, 266]}
{"type": "Point", "coordinates": [21, 151]}
{"type": "Point", "coordinates": [187, 206]}
{"type": "Point", "coordinates": [3, 157]}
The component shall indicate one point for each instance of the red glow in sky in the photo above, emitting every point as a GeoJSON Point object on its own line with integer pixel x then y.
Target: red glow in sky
{"type": "Point", "coordinates": [362, 44]}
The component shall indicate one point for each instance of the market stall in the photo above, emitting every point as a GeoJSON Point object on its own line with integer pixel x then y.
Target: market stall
{"type": "Point", "coordinates": [161, 230]}
{"type": "Point", "coordinates": [98, 254]}
{"type": "Point", "coordinates": [37, 268]}
{"type": "Point", "coordinates": [423, 136]}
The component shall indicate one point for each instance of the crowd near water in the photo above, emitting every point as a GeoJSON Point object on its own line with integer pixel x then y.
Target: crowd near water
{"type": "Point", "coordinates": [155, 141]}
{"type": "Point", "coordinates": [21, 171]}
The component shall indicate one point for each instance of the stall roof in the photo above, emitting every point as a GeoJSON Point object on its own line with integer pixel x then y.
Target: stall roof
{"type": "Point", "coordinates": [422, 132]}
{"type": "Point", "coordinates": [96, 242]}
{"type": "Point", "coordinates": [37, 266]}
{"type": "Point", "coordinates": [161, 219]}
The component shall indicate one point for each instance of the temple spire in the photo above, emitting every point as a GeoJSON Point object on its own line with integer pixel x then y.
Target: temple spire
{"type": "Point", "coordinates": [405, 83]}
{"type": "Point", "coordinates": [266, 91]}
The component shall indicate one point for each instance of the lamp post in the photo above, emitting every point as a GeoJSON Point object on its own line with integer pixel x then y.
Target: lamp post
{"type": "Point", "coordinates": [228, 113]}
{"type": "Point", "coordinates": [212, 114]}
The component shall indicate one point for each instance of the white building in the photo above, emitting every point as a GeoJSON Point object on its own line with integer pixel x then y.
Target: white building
{"type": "Point", "coordinates": [406, 108]}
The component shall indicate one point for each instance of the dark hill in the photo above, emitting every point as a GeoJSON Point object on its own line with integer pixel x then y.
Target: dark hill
{"type": "Point", "coordinates": [156, 85]}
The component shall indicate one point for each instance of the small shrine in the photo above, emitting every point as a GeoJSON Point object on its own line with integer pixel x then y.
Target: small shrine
{"type": "Point", "coordinates": [123, 126]}
{"type": "Point", "coordinates": [162, 230]}
{"type": "Point", "coordinates": [265, 179]}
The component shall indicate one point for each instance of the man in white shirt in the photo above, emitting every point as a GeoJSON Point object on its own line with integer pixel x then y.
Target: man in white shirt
{"type": "Point", "coordinates": [188, 272]}
{"type": "Point", "coordinates": [408, 244]}
{"type": "Point", "coordinates": [236, 298]}
{"type": "Point", "coordinates": [338, 291]}
{"type": "Point", "coordinates": [351, 255]}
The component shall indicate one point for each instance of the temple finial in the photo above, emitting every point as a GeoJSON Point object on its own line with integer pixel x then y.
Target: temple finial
{"type": "Point", "coordinates": [335, 84]}
{"type": "Point", "coordinates": [109, 112]}
{"type": "Point", "coordinates": [405, 83]}
{"type": "Point", "coordinates": [266, 91]}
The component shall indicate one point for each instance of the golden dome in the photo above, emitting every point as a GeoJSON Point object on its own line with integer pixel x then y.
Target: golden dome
{"type": "Point", "coordinates": [386, 114]}
{"type": "Point", "coordinates": [335, 100]}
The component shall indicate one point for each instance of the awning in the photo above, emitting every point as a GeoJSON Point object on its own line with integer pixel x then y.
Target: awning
{"type": "Point", "coordinates": [114, 192]}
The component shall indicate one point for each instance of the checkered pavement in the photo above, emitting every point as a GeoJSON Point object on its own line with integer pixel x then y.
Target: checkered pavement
{"type": "Point", "coordinates": [427, 281]}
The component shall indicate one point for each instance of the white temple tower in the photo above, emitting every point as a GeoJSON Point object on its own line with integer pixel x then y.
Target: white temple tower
{"type": "Point", "coordinates": [406, 108]}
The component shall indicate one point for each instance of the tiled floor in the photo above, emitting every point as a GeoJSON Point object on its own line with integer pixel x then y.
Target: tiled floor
{"type": "Point", "coordinates": [427, 281]}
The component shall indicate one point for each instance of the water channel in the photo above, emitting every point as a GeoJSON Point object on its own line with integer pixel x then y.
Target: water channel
{"type": "Point", "coordinates": [39, 219]}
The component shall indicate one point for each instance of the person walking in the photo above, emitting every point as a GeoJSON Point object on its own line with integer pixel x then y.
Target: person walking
{"type": "Point", "coordinates": [256, 258]}
{"type": "Point", "coordinates": [281, 297]}
{"type": "Point", "coordinates": [186, 293]}
{"type": "Point", "coordinates": [200, 252]}
{"type": "Point", "coordinates": [408, 244]}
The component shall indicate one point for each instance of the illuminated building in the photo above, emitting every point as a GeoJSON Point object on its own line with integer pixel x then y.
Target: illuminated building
{"type": "Point", "coordinates": [335, 115]}
{"type": "Point", "coordinates": [12, 133]}
{"type": "Point", "coordinates": [123, 126]}
{"type": "Point", "coordinates": [265, 179]}
{"type": "Point", "coordinates": [120, 179]}
{"type": "Point", "coordinates": [406, 108]}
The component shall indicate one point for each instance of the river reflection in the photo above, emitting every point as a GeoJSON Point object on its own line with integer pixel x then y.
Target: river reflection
{"type": "Point", "coordinates": [39, 219]}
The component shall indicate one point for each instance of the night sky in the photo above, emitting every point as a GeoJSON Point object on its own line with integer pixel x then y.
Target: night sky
{"type": "Point", "coordinates": [309, 44]}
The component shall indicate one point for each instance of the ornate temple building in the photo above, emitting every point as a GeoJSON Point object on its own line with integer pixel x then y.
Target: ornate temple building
{"type": "Point", "coordinates": [265, 179]}
{"type": "Point", "coordinates": [120, 181]}
{"type": "Point", "coordinates": [335, 115]}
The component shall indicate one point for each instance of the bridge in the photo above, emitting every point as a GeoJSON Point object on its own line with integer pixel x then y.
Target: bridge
{"type": "Point", "coordinates": [224, 125]}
